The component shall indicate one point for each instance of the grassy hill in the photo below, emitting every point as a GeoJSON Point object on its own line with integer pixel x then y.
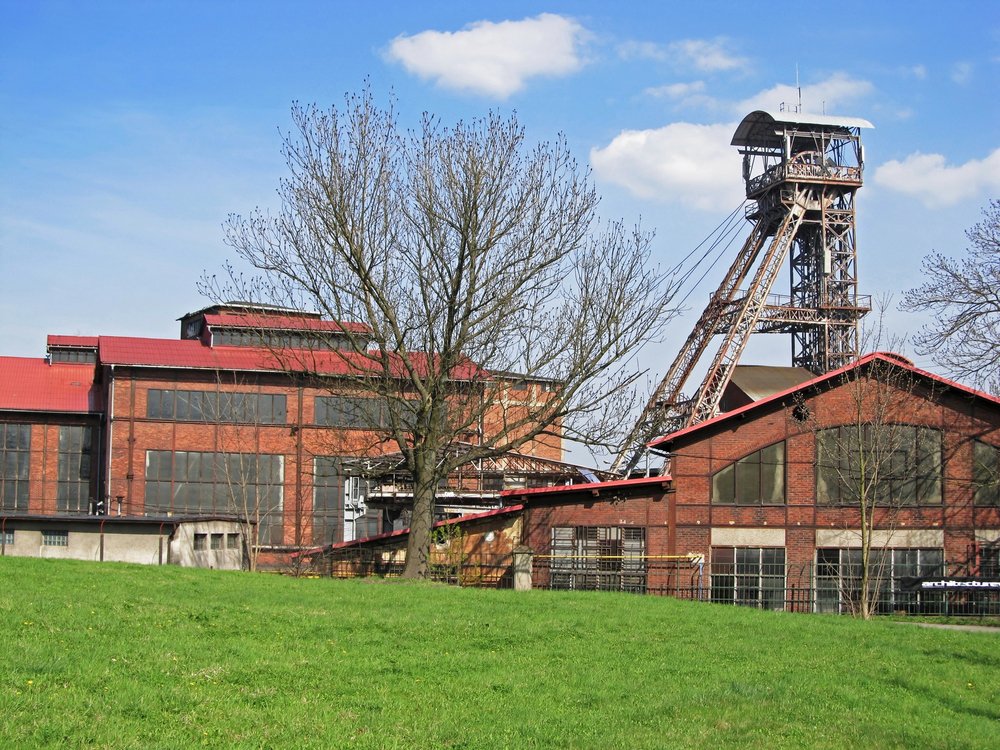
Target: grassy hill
{"type": "Point", "coordinates": [104, 655]}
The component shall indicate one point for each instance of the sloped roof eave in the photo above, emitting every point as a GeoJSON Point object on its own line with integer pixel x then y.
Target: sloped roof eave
{"type": "Point", "coordinates": [661, 443]}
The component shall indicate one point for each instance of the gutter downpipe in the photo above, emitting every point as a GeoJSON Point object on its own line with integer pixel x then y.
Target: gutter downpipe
{"type": "Point", "coordinates": [110, 417]}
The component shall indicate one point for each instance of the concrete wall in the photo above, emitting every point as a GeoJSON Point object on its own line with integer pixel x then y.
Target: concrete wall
{"type": "Point", "coordinates": [142, 542]}
{"type": "Point", "coordinates": [230, 557]}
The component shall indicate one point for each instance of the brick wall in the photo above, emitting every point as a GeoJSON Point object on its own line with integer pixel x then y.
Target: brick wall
{"type": "Point", "coordinates": [960, 418]}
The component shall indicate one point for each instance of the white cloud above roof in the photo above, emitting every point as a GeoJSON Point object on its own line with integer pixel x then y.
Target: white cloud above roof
{"type": "Point", "coordinates": [831, 96]}
{"type": "Point", "coordinates": [935, 183]}
{"type": "Point", "coordinates": [677, 90]}
{"type": "Point", "coordinates": [495, 59]}
{"type": "Point", "coordinates": [706, 55]}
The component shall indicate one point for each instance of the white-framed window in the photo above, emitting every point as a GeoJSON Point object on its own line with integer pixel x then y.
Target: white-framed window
{"type": "Point", "coordinates": [749, 576]}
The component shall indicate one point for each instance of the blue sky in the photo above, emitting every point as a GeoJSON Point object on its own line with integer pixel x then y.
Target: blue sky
{"type": "Point", "coordinates": [131, 130]}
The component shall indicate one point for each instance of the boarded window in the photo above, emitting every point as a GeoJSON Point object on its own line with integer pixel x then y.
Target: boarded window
{"type": "Point", "coordinates": [608, 558]}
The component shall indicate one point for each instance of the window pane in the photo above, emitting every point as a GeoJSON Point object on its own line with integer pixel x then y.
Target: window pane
{"type": "Point", "coordinates": [772, 471]}
{"type": "Point", "coordinates": [723, 485]}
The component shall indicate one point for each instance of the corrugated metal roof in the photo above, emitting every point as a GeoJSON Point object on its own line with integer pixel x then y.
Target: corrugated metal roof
{"type": "Point", "coordinates": [761, 381]}
{"type": "Point", "coordinates": [29, 384]}
{"type": "Point", "coordinates": [887, 357]}
{"type": "Point", "coordinates": [759, 127]}
{"type": "Point", "coordinates": [193, 354]}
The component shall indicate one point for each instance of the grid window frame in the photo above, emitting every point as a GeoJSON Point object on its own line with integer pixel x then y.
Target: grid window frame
{"type": "Point", "coordinates": [350, 412]}
{"type": "Point", "coordinates": [75, 467]}
{"type": "Point", "coordinates": [910, 464]}
{"type": "Point", "coordinates": [209, 483]}
{"type": "Point", "coordinates": [15, 466]}
{"type": "Point", "coordinates": [838, 578]}
{"type": "Point", "coordinates": [55, 538]}
{"type": "Point", "coordinates": [985, 474]}
{"type": "Point", "coordinates": [756, 479]}
{"type": "Point", "coordinates": [605, 558]}
{"type": "Point", "coordinates": [749, 576]}
{"type": "Point", "coordinates": [222, 407]}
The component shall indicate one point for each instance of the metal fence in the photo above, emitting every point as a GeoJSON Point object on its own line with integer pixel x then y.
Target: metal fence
{"type": "Point", "coordinates": [813, 587]}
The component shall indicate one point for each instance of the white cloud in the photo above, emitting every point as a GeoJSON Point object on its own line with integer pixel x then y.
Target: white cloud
{"type": "Point", "coordinates": [935, 183]}
{"type": "Point", "coordinates": [682, 162]}
{"type": "Point", "coordinates": [961, 73]}
{"type": "Point", "coordinates": [694, 164]}
{"type": "Point", "coordinates": [677, 90]}
{"type": "Point", "coordinates": [495, 59]}
{"type": "Point", "coordinates": [633, 50]}
{"type": "Point", "coordinates": [707, 55]}
{"type": "Point", "coordinates": [830, 95]}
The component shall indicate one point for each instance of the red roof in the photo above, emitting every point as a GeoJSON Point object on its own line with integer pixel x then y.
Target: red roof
{"type": "Point", "coordinates": [89, 342]}
{"type": "Point", "coordinates": [282, 323]}
{"type": "Point", "coordinates": [592, 487]}
{"type": "Point", "coordinates": [29, 384]}
{"type": "Point", "coordinates": [887, 357]}
{"type": "Point", "coordinates": [193, 354]}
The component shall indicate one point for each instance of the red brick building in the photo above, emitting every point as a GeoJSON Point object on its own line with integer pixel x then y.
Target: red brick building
{"type": "Point", "coordinates": [760, 507]}
{"type": "Point", "coordinates": [213, 423]}
{"type": "Point", "coordinates": [768, 491]}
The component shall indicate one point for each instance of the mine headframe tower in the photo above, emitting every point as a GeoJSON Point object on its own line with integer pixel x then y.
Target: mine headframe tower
{"type": "Point", "coordinates": [801, 172]}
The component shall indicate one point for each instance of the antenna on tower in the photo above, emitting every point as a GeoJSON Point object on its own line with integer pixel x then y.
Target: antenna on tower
{"type": "Point", "coordinates": [798, 87]}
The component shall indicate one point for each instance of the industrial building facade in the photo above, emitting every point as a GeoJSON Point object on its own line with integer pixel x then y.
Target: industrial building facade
{"type": "Point", "coordinates": [212, 423]}
{"type": "Point", "coordinates": [760, 507]}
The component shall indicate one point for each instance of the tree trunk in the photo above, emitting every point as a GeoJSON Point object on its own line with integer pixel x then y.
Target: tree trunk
{"type": "Point", "coordinates": [422, 519]}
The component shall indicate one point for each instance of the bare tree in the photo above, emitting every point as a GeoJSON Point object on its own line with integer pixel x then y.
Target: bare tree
{"type": "Point", "coordinates": [963, 296]}
{"type": "Point", "coordinates": [499, 310]}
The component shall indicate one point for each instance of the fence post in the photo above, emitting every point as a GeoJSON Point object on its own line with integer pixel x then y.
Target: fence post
{"type": "Point", "coordinates": [522, 568]}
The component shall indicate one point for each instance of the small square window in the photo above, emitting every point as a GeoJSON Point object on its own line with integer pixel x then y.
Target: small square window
{"type": "Point", "coordinates": [7, 537]}
{"type": "Point", "coordinates": [233, 541]}
{"type": "Point", "coordinates": [55, 538]}
{"type": "Point", "coordinates": [200, 542]}
{"type": "Point", "coordinates": [218, 541]}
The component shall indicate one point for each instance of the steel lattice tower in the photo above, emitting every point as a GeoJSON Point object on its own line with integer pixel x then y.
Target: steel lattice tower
{"type": "Point", "coordinates": [802, 172]}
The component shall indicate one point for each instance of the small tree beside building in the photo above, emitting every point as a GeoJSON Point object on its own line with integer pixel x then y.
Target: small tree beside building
{"type": "Point", "coordinates": [874, 464]}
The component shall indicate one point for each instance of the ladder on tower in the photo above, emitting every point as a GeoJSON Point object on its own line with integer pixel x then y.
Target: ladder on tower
{"type": "Point", "coordinates": [726, 313]}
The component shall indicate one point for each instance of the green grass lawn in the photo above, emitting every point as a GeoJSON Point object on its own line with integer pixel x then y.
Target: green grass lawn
{"type": "Point", "coordinates": [106, 655]}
